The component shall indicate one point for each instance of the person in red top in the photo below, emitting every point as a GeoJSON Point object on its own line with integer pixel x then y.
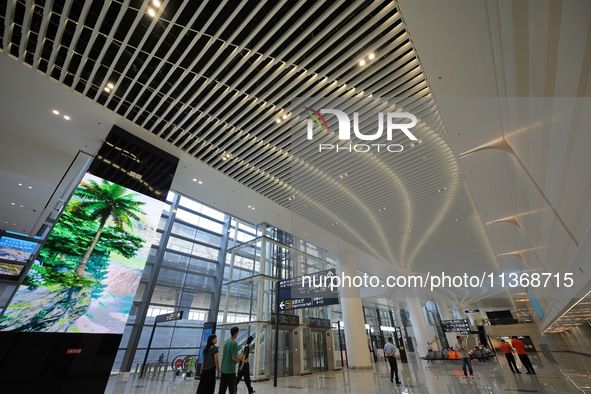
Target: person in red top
{"type": "Point", "coordinates": [520, 349]}
{"type": "Point", "coordinates": [508, 351]}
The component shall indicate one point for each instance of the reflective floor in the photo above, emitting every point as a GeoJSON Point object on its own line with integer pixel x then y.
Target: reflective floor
{"type": "Point", "coordinates": [570, 374]}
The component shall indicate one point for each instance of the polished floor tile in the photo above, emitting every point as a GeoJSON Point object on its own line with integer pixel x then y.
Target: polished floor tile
{"type": "Point", "coordinates": [570, 374]}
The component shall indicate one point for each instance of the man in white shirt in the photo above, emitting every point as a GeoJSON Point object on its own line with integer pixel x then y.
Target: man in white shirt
{"type": "Point", "coordinates": [462, 348]}
{"type": "Point", "coordinates": [390, 351]}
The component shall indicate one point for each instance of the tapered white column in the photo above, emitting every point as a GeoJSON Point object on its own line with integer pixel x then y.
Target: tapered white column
{"type": "Point", "coordinates": [419, 324]}
{"type": "Point", "coordinates": [358, 356]}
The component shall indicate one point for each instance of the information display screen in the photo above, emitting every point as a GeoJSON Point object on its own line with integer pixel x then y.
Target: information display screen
{"type": "Point", "coordinates": [14, 249]}
{"type": "Point", "coordinates": [8, 270]}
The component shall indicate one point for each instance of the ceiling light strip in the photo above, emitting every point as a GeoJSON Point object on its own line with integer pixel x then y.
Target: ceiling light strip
{"type": "Point", "coordinates": [122, 49]}
{"type": "Point", "coordinates": [8, 26]}
{"type": "Point", "coordinates": [58, 37]}
{"type": "Point", "coordinates": [42, 32]}
{"type": "Point", "coordinates": [108, 41]}
{"type": "Point", "coordinates": [26, 29]}
{"type": "Point", "coordinates": [151, 55]}
{"type": "Point", "coordinates": [138, 49]}
{"type": "Point", "coordinates": [95, 33]}
{"type": "Point", "coordinates": [71, 48]}
{"type": "Point", "coordinates": [202, 73]}
{"type": "Point", "coordinates": [166, 79]}
{"type": "Point", "coordinates": [253, 51]}
{"type": "Point", "coordinates": [272, 99]}
{"type": "Point", "coordinates": [223, 65]}
{"type": "Point", "coordinates": [197, 76]}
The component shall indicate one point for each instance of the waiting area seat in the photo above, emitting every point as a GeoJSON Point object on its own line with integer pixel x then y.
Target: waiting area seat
{"type": "Point", "coordinates": [436, 355]}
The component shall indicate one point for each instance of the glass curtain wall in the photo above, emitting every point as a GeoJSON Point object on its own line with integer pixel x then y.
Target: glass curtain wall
{"type": "Point", "coordinates": [182, 273]}
{"type": "Point", "coordinates": [217, 268]}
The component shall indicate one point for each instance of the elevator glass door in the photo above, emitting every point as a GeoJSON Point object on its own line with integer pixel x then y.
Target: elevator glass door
{"type": "Point", "coordinates": [285, 359]}
{"type": "Point", "coordinates": [318, 345]}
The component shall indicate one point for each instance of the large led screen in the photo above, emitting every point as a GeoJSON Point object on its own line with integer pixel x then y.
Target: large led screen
{"type": "Point", "coordinates": [86, 275]}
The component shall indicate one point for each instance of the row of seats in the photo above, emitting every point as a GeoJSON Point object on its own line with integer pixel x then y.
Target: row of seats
{"type": "Point", "coordinates": [453, 355]}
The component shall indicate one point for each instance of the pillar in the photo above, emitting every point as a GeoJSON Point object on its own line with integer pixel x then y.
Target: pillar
{"type": "Point", "coordinates": [358, 356]}
{"type": "Point", "coordinates": [419, 325]}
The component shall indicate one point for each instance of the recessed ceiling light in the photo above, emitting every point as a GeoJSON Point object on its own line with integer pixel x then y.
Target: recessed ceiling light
{"type": "Point", "coordinates": [200, 182]}
{"type": "Point", "coordinates": [110, 85]}
{"type": "Point", "coordinates": [362, 62]}
{"type": "Point", "coordinates": [106, 89]}
{"type": "Point", "coordinates": [278, 121]}
{"type": "Point", "coordinates": [156, 3]}
{"type": "Point", "coordinates": [194, 179]}
{"type": "Point", "coordinates": [151, 12]}
{"type": "Point", "coordinates": [56, 112]}
{"type": "Point", "coordinates": [30, 187]}
{"type": "Point", "coordinates": [371, 56]}
{"type": "Point", "coordinates": [12, 203]}
{"type": "Point", "coordinates": [284, 116]}
{"type": "Point", "coordinates": [20, 184]}
{"type": "Point", "coordinates": [66, 117]}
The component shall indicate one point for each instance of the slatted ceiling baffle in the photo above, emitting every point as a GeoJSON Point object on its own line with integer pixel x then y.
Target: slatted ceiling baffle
{"type": "Point", "coordinates": [106, 45]}
{"type": "Point", "coordinates": [134, 55]}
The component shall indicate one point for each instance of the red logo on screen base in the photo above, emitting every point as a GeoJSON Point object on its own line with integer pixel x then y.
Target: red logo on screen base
{"type": "Point", "coordinates": [73, 351]}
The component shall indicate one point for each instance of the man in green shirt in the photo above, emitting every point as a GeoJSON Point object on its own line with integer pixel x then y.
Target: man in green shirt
{"type": "Point", "coordinates": [229, 359]}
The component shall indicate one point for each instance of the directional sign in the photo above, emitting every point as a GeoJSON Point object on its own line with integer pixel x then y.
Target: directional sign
{"type": "Point", "coordinates": [460, 325]}
{"type": "Point", "coordinates": [178, 315]}
{"type": "Point", "coordinates": [308, 291]}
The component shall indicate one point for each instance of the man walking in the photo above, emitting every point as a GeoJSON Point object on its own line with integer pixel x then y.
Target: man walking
{"type": "Point", "coordinates": [229, 359]}
{"type": "Point", "coordinates": [508, 351]}
{"type": "Point", "coordinates": [462, 348]}
{"type": "Point", "coordinates": [390, 351]}
{"type": "Point", "coordinates": [519, 347]}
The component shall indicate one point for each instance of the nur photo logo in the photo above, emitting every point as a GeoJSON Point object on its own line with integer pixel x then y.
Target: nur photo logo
{"type": "Point", "coordinates": [389, 123]}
